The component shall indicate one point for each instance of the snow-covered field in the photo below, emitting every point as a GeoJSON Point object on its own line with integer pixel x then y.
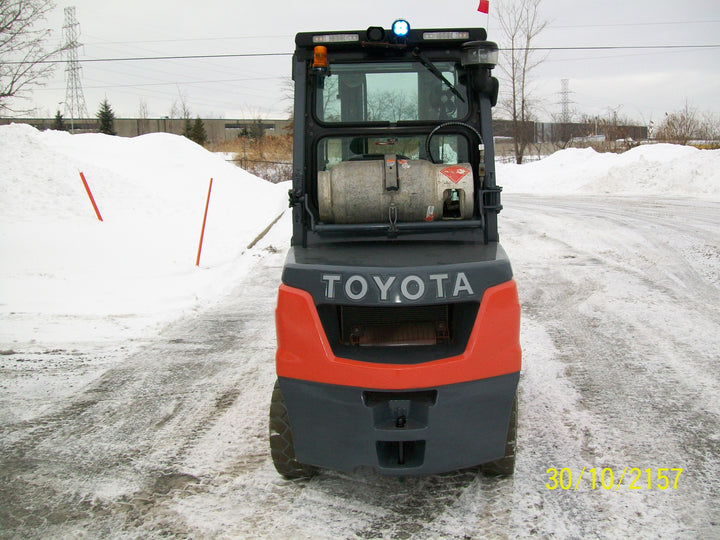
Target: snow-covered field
{"type": "Point", "coordinates": [135, 385]}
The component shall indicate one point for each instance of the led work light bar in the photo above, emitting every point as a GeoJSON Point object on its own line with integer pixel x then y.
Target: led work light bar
{"type": "Point", "coordinates": [336, 38]}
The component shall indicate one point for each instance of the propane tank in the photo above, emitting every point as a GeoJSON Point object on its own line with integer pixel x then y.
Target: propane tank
{"type": "Point", "coordinates": [364, 191]}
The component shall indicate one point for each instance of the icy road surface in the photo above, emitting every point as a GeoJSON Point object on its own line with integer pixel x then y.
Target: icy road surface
{"type": "Point", "coordinates": [621, 341]}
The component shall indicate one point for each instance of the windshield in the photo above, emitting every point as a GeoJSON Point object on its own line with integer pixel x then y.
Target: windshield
{"type": "Point", "coordinates": [390, 92]}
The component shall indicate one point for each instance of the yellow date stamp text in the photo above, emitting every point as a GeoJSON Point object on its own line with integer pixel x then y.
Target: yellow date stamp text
{"type": "Point", "coordinates": [631, 478]}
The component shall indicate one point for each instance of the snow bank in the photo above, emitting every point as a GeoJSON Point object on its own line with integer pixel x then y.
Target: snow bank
{"type": "Point", "coordinates": [137, 267]}
{"type": "Point", "coordinates": [663, 170]}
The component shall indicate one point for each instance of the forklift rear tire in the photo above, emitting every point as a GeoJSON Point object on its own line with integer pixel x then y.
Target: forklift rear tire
{"type": "Point", "coordinates": [505, 466]}
{"type": "Point", "coordinates": [281, 441]}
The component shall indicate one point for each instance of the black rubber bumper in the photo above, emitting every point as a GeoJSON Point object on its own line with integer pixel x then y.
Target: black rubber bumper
{"type": "Point", "coordinates": [405, 433]}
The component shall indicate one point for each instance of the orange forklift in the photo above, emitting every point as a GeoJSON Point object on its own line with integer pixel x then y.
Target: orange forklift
{"type": "Point", "coordinates": [397, 317]}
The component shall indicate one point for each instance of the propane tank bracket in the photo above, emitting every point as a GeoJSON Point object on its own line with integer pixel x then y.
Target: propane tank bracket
{"type": "Point", "coordinates": [391, 173]}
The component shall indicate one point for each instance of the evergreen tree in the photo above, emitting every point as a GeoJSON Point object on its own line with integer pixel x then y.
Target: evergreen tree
{"type": "Point", "coordinates": [187, 129]}
{"type": "Point", "coordinates": [59, 124]}
{"type": "Point", "coordinates": [257, 129]}
{"type": "Point", "coordinates": [106, 117]}
{"type": "Point", "coordinates": [198, 133]}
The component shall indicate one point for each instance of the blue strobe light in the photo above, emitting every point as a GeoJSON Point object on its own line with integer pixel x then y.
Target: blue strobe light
{"type": "Point", "coordinates": [401, 28]}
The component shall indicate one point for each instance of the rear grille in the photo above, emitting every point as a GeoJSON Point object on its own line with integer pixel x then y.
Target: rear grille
{"type": "Point", "coordinates": [395, 326]}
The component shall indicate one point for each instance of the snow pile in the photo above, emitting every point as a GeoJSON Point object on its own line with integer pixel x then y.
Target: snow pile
{"type": "Point", "coordinates": [663, 170]}
{"type": "Point", "coordinates": [136, 268]}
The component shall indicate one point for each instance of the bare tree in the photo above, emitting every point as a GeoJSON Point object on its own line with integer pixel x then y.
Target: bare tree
{"type": "Point", "coordinates": [710, 129]}
{"type": "Point", "coordinates": [331, 106]}
{"type": "Point", "coordinates": [142, 117]}
{"type": "Point", "coordinates": [392, 106]}
{"type": "Point", "coordinates": [621, 132]}
{"type": "Point", "coordinates": [180, 110]}
{"type": "Point", "coordinates": [23, 52]}
{"type": "Point", "coordinates": [521, 23]}
{"type": "Point", "coordinates": [563, 131]}
{"type": "Point", "coordinates": [679, 127]}
{"type": "Point", "coordinates": [288, 95]}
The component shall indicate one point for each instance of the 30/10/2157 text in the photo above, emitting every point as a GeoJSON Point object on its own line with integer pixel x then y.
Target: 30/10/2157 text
{"type": "Point", "coordinates": [661, 478]}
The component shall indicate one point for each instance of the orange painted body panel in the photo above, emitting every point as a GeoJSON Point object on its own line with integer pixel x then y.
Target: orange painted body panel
{"type": "Point", "coordinates": [304, 351]}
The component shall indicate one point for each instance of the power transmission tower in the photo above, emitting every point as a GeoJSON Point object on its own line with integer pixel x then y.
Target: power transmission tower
{"type": "Point", "coordinates": [74, 98]}
{"type": "Point", "coordinates": [565, 102]}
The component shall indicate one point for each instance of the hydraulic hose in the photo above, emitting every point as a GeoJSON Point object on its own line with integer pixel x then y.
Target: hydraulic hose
{"type": "Point", "coordinates": [448, 124]}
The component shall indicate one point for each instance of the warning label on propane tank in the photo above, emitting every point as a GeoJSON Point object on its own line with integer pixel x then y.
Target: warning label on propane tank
{"type": "Point", "coordinates": [455, 173]}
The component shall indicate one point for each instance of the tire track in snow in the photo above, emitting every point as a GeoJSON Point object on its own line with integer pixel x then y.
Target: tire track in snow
{"type": "Point", "coordinates": [647, 393]}
{"type": "Point", "coordinates": [116, 449]}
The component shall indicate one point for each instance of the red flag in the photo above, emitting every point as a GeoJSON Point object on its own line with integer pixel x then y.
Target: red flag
{"type": "Point", "coordinates": [484, 6]}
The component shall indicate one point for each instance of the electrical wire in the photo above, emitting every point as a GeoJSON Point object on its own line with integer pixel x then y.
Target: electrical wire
{"type": "Point", "coordinates": [144, 58]}
{"type": "Point", "coordinates": [618, 25]}
{"type": "Point", "coordinates": [614, 47]}
{"type": "Point", "coordinates": [257, 55]}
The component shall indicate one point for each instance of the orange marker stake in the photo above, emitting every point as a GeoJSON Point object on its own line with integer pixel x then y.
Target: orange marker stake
{"type": "Point", "coordinates": [92, 199]}
{"type": "Point", "coordinates": [202, 232]}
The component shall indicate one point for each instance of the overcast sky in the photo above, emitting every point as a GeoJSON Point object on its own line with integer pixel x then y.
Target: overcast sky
{"type": "Point", "coordinates": [640, 84]}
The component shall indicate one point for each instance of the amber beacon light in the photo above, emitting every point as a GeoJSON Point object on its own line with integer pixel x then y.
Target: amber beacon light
{"type": "Point", "coordinates": [320, 59]}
